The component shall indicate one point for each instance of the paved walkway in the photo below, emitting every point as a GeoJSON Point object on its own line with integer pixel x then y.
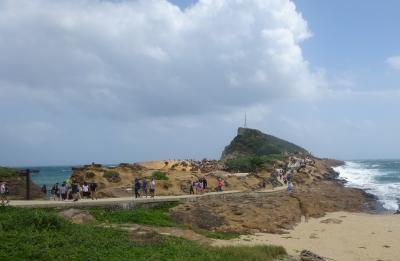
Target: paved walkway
{"type": "Point", "coordinates": [126, 200]}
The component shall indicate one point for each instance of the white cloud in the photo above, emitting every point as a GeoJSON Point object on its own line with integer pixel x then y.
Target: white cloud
{"type": "Point", "coordinates": [394, 62]}
{"type": "Point", "coordinates": [148, 58]}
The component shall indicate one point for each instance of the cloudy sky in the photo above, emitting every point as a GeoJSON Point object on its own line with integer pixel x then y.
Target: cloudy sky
{"type": "Point", "coordinates": [130, 80]}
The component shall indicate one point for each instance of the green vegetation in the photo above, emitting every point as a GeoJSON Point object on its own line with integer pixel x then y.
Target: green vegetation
{"type": "Point", "coordinates": [7, 172]}
{"type": "Point", "coordinates": [156, 216]}
{"type": "Point", "coordinates": [36, 234]}
{"type": "Point", "coordinates": [112, 176]}
{"type": "Point", "coordinates": [250, 142]}
{"type": "Point", "coordinates": [251, 163]}
{"type": "Point", "coordinates": [159, 175]}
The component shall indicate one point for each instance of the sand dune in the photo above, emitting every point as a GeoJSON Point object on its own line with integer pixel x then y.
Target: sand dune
{"type": "Point", "coordinates": [338, 236]}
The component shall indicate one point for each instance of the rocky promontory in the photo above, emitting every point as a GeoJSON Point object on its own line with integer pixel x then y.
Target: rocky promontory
{"type": "Point", "coordinates": [252, 163]}
{"type": "Point", "coordinates": [314, 194]}
{"type": "Point", "coordinates": [252, 142]}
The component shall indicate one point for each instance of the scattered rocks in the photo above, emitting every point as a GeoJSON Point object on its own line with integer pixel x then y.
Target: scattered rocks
{"type": "Point", "coordinates": [200, 217]}
{"type": "Point", "coordinates": [77, 216]}
{"type": "Point", "coordinates": [307, 255]}
{"type": "Point", "coordinates": [144, 236]}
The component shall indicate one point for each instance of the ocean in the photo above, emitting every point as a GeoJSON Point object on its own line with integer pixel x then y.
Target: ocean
{"type": "Point", "coordinates": [378, 177]}
{"type": "Point", "coordinates": [50, 175]}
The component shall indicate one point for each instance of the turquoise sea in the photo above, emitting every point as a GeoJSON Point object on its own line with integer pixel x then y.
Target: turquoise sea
{"type": "Point", "coordinates": [50, 175]}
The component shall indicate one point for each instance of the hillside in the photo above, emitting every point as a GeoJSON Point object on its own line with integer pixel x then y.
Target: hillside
{"type": "Point", "coordinates": [251, 142]}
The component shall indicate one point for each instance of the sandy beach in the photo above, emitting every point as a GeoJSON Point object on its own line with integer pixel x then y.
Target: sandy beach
{"type": "Point", "coordinates": [341, 236]}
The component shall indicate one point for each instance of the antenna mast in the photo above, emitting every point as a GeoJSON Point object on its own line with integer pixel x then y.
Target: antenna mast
{"type": "Point", "coordinates": [245, 120]}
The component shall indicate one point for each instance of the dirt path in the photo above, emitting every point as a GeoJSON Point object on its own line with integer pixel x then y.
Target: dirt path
{"type": "Point", "coordinates": [123, 200]}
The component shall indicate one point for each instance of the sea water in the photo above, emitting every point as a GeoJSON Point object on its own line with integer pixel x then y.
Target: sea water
{"type": "Point", "coordinates": [378, 177]}
{"type": "Point", "coordinates": [50, 175]}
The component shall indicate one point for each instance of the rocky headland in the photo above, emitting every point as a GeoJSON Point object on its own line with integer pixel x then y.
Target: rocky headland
{"type": "Point", "coordinates": [251, 163]}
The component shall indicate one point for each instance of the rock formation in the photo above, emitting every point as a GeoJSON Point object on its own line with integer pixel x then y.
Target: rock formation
{"type": "Point", "coordinates": [314, 194]}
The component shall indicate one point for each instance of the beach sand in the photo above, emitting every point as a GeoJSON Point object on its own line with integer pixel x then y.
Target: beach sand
{"type": "Point", "coordinates": [338, 236]}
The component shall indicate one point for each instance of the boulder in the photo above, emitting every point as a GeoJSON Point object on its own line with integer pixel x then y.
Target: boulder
{"type": "Point", "coordinates": [77, 216]}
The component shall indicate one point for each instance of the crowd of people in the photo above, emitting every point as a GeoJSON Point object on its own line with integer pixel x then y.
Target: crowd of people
{"type": "Point", "coordinates": [71, 190]}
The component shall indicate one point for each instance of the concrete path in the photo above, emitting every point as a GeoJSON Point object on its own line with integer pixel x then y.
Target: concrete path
{"type": "Point", "coordinates": [126, 200]}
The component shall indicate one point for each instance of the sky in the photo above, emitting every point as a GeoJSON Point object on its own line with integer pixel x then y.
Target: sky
{"type": "Point", "coordinates": [114, 81]}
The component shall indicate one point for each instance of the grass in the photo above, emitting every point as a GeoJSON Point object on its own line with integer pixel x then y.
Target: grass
{"type": "Point", "coordinates": [156, 216]}
{"type": "Point", "coordinates": [159, 175]}
{"type": "Point", "coordinates": [36, 234]}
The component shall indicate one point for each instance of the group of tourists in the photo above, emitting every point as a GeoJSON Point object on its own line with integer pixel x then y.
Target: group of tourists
{"type": "Point", "coordinates": [144, 188]}
{"type": "Point", "coordinates": [4, 192]}
{"type": "Point", "coordinates": [71, 190]}
{"type": "Point", "coordinates": [200, 185]}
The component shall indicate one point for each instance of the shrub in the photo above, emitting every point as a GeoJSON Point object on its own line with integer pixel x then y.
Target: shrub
{"type": "Point", "coordinates": [112, 176]}
{"type": "Point", "coordinates": [7, 172]}
{"type": "Point", "coordinates": [90, 175]}
{"type": "Point", "coordinates": [159, 175]}
{"type": "Point", "coordinates": [251, 163]}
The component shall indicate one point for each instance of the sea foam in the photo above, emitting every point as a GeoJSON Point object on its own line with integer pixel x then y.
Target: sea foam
{"type": "Point", "coordinates": [380, 178]}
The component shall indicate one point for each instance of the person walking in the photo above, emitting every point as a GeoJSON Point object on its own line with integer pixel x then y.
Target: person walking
{"type": "Point", "coordinates": [93, 190]}
{"type": "Point", "coordinates": [205, 183]}
{"type": "Point", "coordinates": [44, 189]}
{"type": "Point", "coordinates": [54, 191]}
{"type": "Point", "coordinates": [144, 186]}
{"type": "Point", "coordinates": [75, 190]}
{"type": "Point", "coordinates": [4, 191]}
{"type": "Point", "coordinates": [152, 187]}
{"type": "Point", "coordinates": [191, 190]}
{"type": "Point", "coordinates": [290, 186]}
{"type": "Point", "coordinates": [68, 184]}
{"type": "Point", "coordinates": [219, 185]}
{"type": "Point", "coordinates": [63, 191]}
{"type": "Point", "coordinates": [136, 187]}
{"type": "Point", "coordinates": [85, 190]}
